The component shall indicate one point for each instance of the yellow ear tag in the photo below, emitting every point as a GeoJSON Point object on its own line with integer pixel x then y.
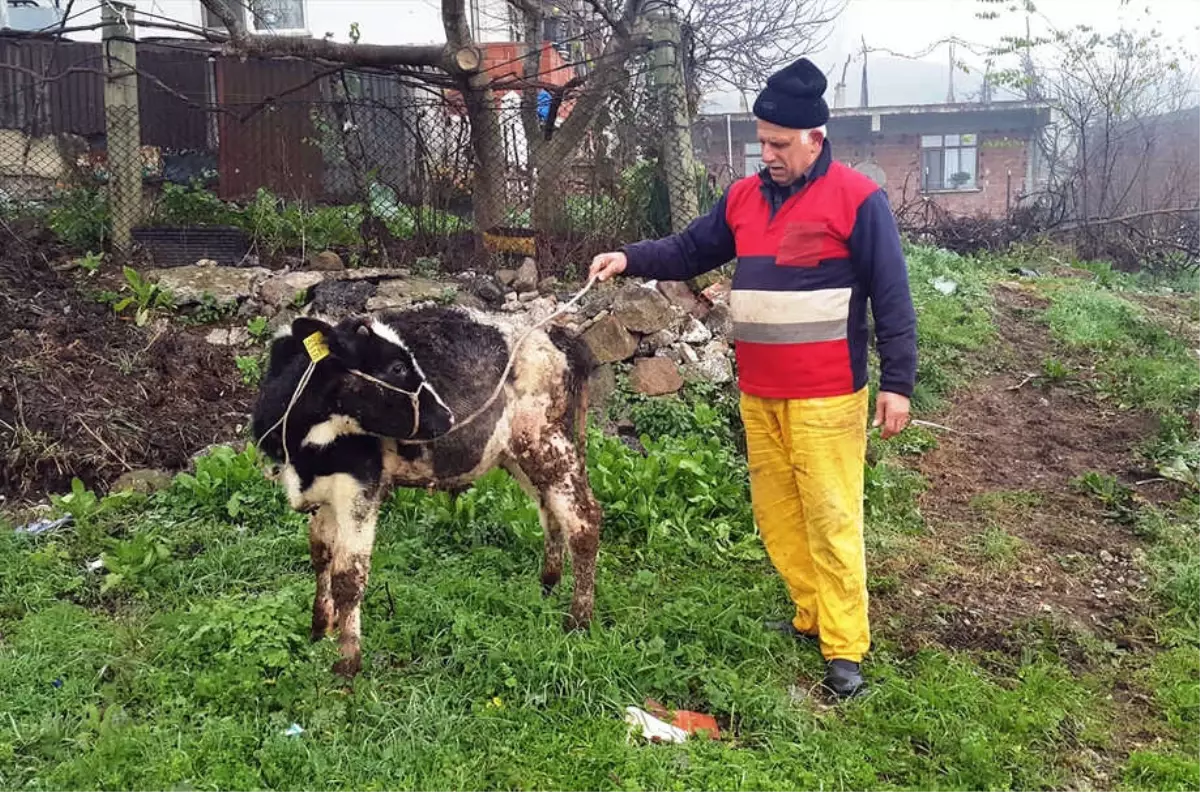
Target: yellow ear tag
{"type": "Point", "coordinates": [317, 350]}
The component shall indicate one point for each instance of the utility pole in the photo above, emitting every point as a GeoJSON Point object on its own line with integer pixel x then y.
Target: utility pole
{"type": "Point", "coordinates": [122, 124]}
{"type": "Point", "coordinates": [678, 162]}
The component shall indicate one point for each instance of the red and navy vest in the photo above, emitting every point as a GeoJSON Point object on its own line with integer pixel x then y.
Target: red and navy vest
{"type": "Point", "coordinates": [806, 269]}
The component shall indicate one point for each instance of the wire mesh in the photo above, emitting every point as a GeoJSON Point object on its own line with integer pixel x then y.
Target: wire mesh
{"type": "Point", "coordinates": [383, 164]}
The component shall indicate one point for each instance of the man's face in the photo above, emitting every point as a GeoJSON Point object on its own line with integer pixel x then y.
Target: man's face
{"type": "Point", "coordinates": [787, 153]}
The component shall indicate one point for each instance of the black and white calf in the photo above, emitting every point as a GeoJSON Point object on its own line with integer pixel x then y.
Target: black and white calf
{"type": "Point", "coordinates": [350, 440]}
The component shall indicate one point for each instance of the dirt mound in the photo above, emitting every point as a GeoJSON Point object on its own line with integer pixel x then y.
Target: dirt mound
{"type": "Point", "coordinates": [86, 394]}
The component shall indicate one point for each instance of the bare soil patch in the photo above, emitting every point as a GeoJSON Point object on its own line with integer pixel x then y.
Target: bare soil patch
{"type": "Point", "coordinates": [1012, 544]}
{"type": "Point", "coordinates": [84, 393]}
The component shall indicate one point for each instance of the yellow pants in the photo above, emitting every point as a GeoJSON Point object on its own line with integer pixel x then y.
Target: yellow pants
{"type": "Point", "coordinates": [806, 483]}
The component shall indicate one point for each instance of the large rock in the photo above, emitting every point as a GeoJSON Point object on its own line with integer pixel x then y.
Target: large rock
{"type": "Point", "coordinates": [190, 284]}
{"type": "Point", "coordinates": [718, 293]}
{"type": "Point", "coordinates": [144, 480]}
{"type": "Point", "coordinates": [228, 336]}
{"type": "Point", "coordinates": [610, 341]}
{"type": "Point", "coordinates": [717, 370]}
{"type": "Point", "coordinates": [326, 261]}
{"type": "Point", "coordinates": [526, 279]}
{"type": "Point", "coordinates": [719, 320]}
{"type": "Point", "coordinates": [468, 300]}
{"type": "Point", "coordinates": [506, 277]}
{"type": "Point", "coordinates": [656, 376]}
{"type": "Point", "coordinates": [487, 290]}
{"type": "Point", "coordinates": [371, 274]}
{"type": "Point", "coordinates": [340, 298]}
{"type": "Point", "coordinates": [694, 331]}
{"type": "Point", "coordinates": [282, 319]}
{"type": "Point", "coordinates": [602, 384]}
{"type": "Point", "coordinates": [641, 310]}
{"type": "Point", "coordinates": [713, 364]}
{"type": "Point", "coordinates": [403, 293]}
{"type": "Point", "coordinates": [679, 293]}
{"type": "Point", "coordinates": [282, 289]}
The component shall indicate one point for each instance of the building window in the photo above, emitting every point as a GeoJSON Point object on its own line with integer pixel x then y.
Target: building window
{"type": "Point", "coordinates": [265, 16]}
{"type": "Point", "coordinates": [948, 162]}
{"type": "Point", "coordinates": [753, 158]}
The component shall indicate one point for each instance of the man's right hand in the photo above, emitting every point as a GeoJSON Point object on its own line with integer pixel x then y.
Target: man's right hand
{"type": "Point", "coordinates": [606, 265]}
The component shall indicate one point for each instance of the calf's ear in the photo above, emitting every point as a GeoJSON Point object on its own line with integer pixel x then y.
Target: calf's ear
{"type": "Point", "coordinates": [320, 339]}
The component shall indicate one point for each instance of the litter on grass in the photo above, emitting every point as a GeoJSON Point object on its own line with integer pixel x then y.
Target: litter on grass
{"type": "Point", "coordinates": [44, 525]}
{"type": "Point", "coordinates": [658, 724]}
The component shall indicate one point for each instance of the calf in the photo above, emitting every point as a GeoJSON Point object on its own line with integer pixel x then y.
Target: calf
{"type": "Point", "coordinates": [401, 399]}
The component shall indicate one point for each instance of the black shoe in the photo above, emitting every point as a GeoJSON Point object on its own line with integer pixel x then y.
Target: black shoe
{"type": "Point", "coordinates": [844, 678]}
{"type": "Point", "coordinates": [789, 629]}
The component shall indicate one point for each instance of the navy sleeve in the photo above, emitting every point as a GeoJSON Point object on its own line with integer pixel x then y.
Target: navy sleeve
{"type": "Point", "coordinates": [704, 245]}
{"type": "Point", "coordinates": [876, 253]}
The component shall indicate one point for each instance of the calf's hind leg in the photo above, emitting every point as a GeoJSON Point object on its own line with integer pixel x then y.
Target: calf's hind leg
{"type": "Point", "coordinates": [322, 534]}
{"type": "Point", "coordinates": [557, 470]}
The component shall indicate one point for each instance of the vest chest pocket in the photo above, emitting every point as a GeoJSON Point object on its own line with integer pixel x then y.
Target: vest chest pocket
{"type": "Point", "coordinates": [803, 244]}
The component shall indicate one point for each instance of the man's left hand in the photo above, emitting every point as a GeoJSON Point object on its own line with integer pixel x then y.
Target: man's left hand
{"type": "Point", "coordinates": [891, 412]}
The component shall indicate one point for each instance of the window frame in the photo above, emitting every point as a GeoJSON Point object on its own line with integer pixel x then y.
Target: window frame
{"type": "Point", "coordinates": [250, 20]}
{"type": "Point", "coordinates": [747, 155]}
{"type": "Point", "coordinates": [943, 147]}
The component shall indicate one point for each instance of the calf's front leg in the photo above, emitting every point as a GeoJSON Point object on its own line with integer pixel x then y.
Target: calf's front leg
{"type": "Point", "coordinates": [356, 514]}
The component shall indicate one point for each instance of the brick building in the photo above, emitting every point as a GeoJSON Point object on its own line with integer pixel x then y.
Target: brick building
{"type": "Point", "coordinates": [970, 159]}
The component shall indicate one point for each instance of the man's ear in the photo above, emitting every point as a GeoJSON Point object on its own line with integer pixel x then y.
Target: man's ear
{"type": "Point", "coordinates": [321, 340]}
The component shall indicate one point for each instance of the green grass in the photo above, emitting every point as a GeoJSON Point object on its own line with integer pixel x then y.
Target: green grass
{"type": "Point", "coordinates": [184, 659]}
{"type": "Point", "coordinates": [183, 663]}
{"type": "Point", "coordinates": [949, 326]}
{"type": "Point", "coordinates": [1142, 364]}
{"type": "Point", "coordinates": [996, 547]}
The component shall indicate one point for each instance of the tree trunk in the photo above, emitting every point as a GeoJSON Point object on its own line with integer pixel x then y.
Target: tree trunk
{"type": "Point", "coordinates": [487, 140]}
{"type": "Point", "coordinates": [548, 197]}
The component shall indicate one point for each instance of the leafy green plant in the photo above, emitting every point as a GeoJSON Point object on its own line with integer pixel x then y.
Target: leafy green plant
{"type": "Point", "coordinates": [227, 485]}
{"type": "Point", "coordinates": [90, 263]}
{"type": "Point", "coordinates": [251, 369]}
{"type": "Point", "coordinates": [1116, 498]}
{"type": "Point", "coordinates": [1055, 371]}
{"type": "Point", "coordinates": [128, 562]}
{"type": "Point", "coordinates": [192, 205]}
{"type": "Point", "coordinates": [259, 328]}
{"type": "Point", "coordinates": [79, 217]}
{"type": "Point", "coordinates": [145, 296]}
{"type": "Point", "coordinates": [210, 310]}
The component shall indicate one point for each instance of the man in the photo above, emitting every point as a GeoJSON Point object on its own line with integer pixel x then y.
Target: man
{"type": "Point", "coordinates": [814, 240]}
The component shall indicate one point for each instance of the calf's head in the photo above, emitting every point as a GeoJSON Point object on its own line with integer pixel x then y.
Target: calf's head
{"type": "Point", "coordinates": [381, 385]}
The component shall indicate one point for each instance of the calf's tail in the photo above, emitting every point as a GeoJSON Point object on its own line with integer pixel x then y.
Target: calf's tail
{"type": "Point", "coordinates": [580, 365]}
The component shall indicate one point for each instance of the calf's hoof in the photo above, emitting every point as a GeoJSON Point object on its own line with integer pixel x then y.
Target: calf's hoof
{"type": "Point", "coordinates": [548, 584]}
{"type": "Point", "coordinates": [348, 667]}
{"type": "Point", "coordinates": [576, 622]}
{"type": "Point", "coordinates": [322, 622]}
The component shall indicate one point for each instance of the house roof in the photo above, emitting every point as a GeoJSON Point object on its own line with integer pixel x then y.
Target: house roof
{"type": "Point", "coordinates": [908, 110]}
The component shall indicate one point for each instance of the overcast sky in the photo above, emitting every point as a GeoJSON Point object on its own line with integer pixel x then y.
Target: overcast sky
{"type": "Point", "coordinates": [910, 26]}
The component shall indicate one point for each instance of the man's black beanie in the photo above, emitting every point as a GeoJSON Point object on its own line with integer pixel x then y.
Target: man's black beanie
{"type": "Point", "coordinates": [793, 97]}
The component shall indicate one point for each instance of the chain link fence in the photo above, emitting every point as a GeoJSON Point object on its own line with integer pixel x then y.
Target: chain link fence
{"type": "Point", "coordinates": [298, 158]}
